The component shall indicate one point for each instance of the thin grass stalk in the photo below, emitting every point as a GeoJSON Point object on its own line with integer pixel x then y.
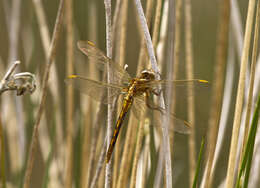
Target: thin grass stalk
{"type": "Point", "coordinates": [14, 30]}
{"type": "Point", "coordinates": [18, 132]}
{"type": "Point", "coordinates": [123, 31]}
{"type": "Point", "coordinates": [137, 153]}
{"type": "Point", "coordinates": [239, 40]}
{"type": "Point", "coordinates": [2, 156]}
{"type": "Point", "coordinates": [51, 56]}
{"type": "Point", "coordinates": [102, 179]}
{"type": "Point", "coordinates": [162, 37]}
{"type": "Point", "coordinates": [142, 54]}
{"type": "Point", "coordinates": [226, 103]}
{"type": "Point", "coordinates": [89, 136]}
{"type": "Point", "coordinates": [40, 15]}
{"type": "Point", "coordinates": [249, 148]}
{"type": "Point", "coordinates": [147, 35]}
{"type": "Point", "coordinates": [240, 95]}
{"type": "Point", "coordinates": [195, 179]}
{"type": "Point", "coordinates": [45, 39]}
{"type": "Point", "coordinates": [252, 79]}
{"type": "Point", "coordinates": [121, 54]}
{"type": "Point", "coordinates": [99, 164]}
{"type": "Point", "coordinates": [159, 169]}
{"type": "Point", "coordinates": [116, 19]}
{"type": "Point", "coordinates": [252, 141]}
{"type": "Point", "coordinates": [95, 129]}
{"type": "Point", "coordinates": [160, 51]}
{"type": "Point", "coordinates": [173, 66]}
{"type": "Point", "coordinates": [127, 152]}
{"type": "Point", "coordinates": [236, 24]}
{"type": "Point", "coordinates": [191, 100]}
{"type": "Point", "coordinates": [237, 32]}
{"type": "Point", "coordinates": [162, 104]}
{"type": "Point", "coordinates": [146, 153]}
{"type": "Point", "coordinates": [140, 66]}
{"type": "Point", "coordinates": [110, 106]}
{"type": "Point", "coordinates": [218, 85]}
{"type": "Point", "coordinates": [130, 142]}
{"type": "Point", "coordinates": [70, 94]}
{"type": "Point", "coordinates": [167, 178]}
{"type": "Point", "coordinates": [157, 23]}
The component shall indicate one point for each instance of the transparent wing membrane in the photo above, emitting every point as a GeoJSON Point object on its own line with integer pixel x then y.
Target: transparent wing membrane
{"type": "Point", "coordinates": [139, 106]}
{"type": "Point", "coordinates": [95, 89]}
{"type": "Point", "coordinates": [176, 83]}
{"type": "Point", "coordinates": [175, 124]}
{"type": "Point", "coordinates": [96, 56]}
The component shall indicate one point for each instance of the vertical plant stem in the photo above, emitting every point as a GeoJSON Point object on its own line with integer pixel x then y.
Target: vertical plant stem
{"type": "Point", "coordinates": [18, 133]}
{"type": "Point", "coordinates": [99, 165]}
{"type": "Point", "coordinates": [141, 64]}
{"type": "Point", "coordinates": [92, 125]}
{"type": "Point", "coordinates": [70, 102]}
{"type": "Point", "coordinates": [2, 156]}
{"type": "Point", "coordinates": [142, 55]}
{"type": "Point", "coordinates": [160, 56]}
{"type": "Point", "coordinates": [173, 65]}
{"type": "Point", "coordinates": [43, 25]}
{"type": "Point", "coordinates": [216, 101]}
{"type": "Point", "coordinates": [118, 10]}
{"type": "Point", "coordinates": [191, 100]}
{"type": "Point", "coordinates": [252, 79]}
{"type": "Point", "coordinates": [147, 152]}
{"type": "Point", "coordinates": [51, 56]}
{"type": "Point", "coordinates": [226, 102]}
{"type": "Point", "coordinates": [162, 104]}
{"type": "Point", "coordinates": [127, 153]}
{"type": "Point", "coordinates": [194, 184]}
{"type": "Point", "coordinates": [122, 49]}
{"type": "Point", "coordinates": [240, 96]}
{"type": "Point", "coordinates": [137, 153]}
{"type": "Point", "coordinates": [110, 106]}
{"type": "Point", "coordinates": [157, 22]}
{"type": "Point", "coordinates": [147, 35]}
{"type": "Point", "coordinates": [163, 35]}
{"type": "Point", "coordinates": [45, 39]}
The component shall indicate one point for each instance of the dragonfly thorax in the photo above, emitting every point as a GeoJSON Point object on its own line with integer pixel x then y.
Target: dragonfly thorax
{"type": "Point", "coordinates": [147, 75]}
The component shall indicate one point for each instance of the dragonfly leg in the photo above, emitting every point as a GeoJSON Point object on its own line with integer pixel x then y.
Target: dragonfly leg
{"type": "Point", "coordinates": [156, 92]}
{"type": "Point", "coordinates": [151, 105]}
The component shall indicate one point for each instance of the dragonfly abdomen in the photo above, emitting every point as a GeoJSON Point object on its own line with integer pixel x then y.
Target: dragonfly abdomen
{"type": "Point", "coordinates": [126, 105]}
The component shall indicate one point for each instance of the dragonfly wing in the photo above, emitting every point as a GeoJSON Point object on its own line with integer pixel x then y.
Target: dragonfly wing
{"type": "Point", "coordinates": [180, 86]}
{"type": "Point", "coordinates": [179, 125]}
{"type": "Point", "coordinates": [95, 89]}
{"type": "Point", "coordinates": [97, 56]}
{"type": "Point", "coordinates": [139, 106]}
{"type": "Point", "coordinates": [176, 124]}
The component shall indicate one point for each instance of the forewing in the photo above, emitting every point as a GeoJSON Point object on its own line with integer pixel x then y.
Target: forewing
{"type": "Point", "coordinates": [95, 89]}
{"type": "Point", "coordinates": [163, 84]}
{"type": "Point", "coordinates": [95, 55]}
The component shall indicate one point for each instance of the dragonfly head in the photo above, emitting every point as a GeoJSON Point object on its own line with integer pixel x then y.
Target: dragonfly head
{"type": "Point", "coordinates": [148, 75]}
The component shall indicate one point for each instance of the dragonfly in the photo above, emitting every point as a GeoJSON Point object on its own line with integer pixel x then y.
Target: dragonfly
{"type": "Point", "coordinates": [136, 91]}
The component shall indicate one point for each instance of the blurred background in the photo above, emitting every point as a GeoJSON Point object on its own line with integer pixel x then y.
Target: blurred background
{"type": "Point", "coordinates": [25, 37]}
